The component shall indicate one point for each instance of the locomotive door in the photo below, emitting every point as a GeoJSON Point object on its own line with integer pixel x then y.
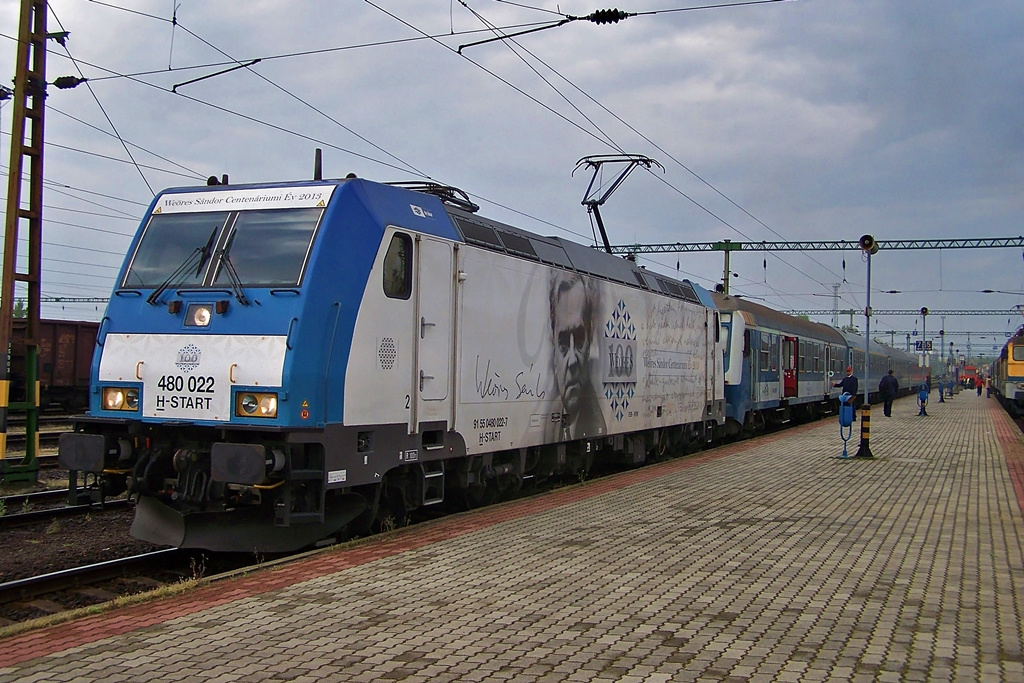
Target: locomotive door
{"type": "Point", "coordinates": [433, 327]}
{"type": "Point", "coordinates": [789, 366]}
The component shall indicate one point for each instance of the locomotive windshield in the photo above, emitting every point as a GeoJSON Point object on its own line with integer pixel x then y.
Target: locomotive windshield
{"type": "Point", "coordinates": [171, 240]}
{"type": "Point", "coordinates": [269, 247]}
{"type": "Point", "coordinates": [266, 247]}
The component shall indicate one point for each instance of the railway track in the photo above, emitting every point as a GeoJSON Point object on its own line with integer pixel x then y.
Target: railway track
{"type": "Point", "coordinates": [49, 428]}
{"type": "Point", "coordinates": [68, 579]}
{"type": "Point", "coordinates": [69, 589]}
{"type": "Point", "coordinates": [21, 517]}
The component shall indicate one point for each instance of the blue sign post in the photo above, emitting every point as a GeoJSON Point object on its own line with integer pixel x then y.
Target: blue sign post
{"type": "Point", "coordinates": [845, 420]}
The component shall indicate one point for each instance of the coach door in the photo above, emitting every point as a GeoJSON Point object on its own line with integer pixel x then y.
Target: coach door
{"type": "Point", "coordinates": [789, 366]}
{"type": "Point", "coordinates": [433, 329]}
{"type": "Point", "coordinates": [828, 367]}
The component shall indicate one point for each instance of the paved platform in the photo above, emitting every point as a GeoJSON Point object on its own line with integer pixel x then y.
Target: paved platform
{"type": "Point", "coordinates": [767, 560]}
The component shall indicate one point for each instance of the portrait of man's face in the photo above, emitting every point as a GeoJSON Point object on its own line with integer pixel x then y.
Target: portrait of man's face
{"type": "Point", "coordinates": [571, 332]}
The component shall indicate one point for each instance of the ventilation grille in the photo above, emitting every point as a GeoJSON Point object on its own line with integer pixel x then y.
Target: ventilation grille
{"type": "Point", "coordinates": [388, 354]}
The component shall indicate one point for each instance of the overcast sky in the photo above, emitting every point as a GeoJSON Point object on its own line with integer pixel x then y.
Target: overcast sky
{"type": "Point", "coordinates": [817, 119]}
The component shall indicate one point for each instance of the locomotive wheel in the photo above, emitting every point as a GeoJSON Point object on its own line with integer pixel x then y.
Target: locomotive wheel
{"type": "Point", "coordinates": [364, 523]}
{"type": "Point", "coordinates": [475, 496]}
{"type": "Point", "coordinates": [391, 513]}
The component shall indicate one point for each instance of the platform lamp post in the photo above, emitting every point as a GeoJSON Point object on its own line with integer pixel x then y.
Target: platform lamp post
{"type": "Point", "coordinates": [924, 337]}
{"type": "Point", "coordinates": [869, 247]}
{"type": "Point", "coordinates": [942, 344]}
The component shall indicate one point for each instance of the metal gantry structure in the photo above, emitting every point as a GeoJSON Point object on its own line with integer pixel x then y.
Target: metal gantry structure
{"type": "Point", "coordinates": [818, 245]}
{"type": "Point", "coordinates": [907, 311]}
{"type": "Point", "coordinates": [728, 246]}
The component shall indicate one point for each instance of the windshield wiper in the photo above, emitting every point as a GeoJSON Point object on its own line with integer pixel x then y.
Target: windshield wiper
{"type": "Point", "coordinates": [196, 260]}
{"type": "Point", "coordinates": [236, 282]}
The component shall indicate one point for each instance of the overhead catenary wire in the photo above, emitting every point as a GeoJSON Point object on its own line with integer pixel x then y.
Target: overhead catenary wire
{"type": "Point", "coordinates": [510, 42]}
{"type": "Point", "coordinates": [100, 105]}
{"type": "Point", "coordinates": [425, 35]}
{"type": "Point", "coordinates": [51, 109]}
{"type": "Point", "coordinates": [668, 154]}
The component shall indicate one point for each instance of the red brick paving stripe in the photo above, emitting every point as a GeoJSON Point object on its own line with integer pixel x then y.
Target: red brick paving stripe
{"type": "Point", "coordinates": [59, 637]}
{"type": "Point", "coordinates": [1013, 448]}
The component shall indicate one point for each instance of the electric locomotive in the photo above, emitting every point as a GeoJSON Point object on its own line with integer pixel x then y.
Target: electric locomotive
{"type": "Point", "coordinates": [1007, 375]}
{"type": "Point", "coordinates": [282, 363]}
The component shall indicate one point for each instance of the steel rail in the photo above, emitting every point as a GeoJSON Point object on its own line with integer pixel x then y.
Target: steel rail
{"type": "Point", "coordinates": [20, 519]}
{"type": "Point", "coordinates": [24, 589]}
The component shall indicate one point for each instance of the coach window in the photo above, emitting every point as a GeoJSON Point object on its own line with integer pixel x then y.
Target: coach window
{"type": "Point", "coordinates": [398, 267]}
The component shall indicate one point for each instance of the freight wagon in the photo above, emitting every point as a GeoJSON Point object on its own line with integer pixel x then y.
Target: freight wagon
{"type": "Point", "coordinates": [65, 354]}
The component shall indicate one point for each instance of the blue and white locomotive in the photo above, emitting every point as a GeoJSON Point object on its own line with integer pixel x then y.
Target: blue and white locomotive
{"type": "Point", "coordinates": [282, 363]}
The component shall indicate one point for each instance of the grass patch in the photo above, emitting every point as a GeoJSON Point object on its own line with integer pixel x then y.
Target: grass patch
{"type": "Point", "coordinates": [116, 603]}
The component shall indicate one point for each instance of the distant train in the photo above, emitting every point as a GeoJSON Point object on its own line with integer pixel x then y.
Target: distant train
{"type": "Point", "coordinates": [968, 376]}
{"type": "Point", "coordinates": [65, 355]}
{"type": "Point", "coordinates": [1006, 375]}
{"type": "Point", "coordinates": [282, 363]}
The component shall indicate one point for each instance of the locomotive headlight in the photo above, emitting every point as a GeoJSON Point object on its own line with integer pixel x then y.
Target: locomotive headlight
{"type": "Point", "coordinates": [198, 315]}
{"type": "Point", "coordinates": [250, 404]}
{"type": "Point", "coordinates": [113, 398]}
{"type": "Point", "coordinates": [131, 399]}
{"type": "Point", "coordinates": [120, 398]}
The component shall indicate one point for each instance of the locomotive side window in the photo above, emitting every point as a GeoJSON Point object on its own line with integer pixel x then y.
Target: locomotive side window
{"type": "Point", "coordinates": [398, 267]}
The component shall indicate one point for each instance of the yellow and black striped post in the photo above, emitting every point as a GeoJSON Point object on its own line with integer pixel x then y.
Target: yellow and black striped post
{"type": "Point", "coordinates": [5, 395]}
{"type": "Point", "coordinates": [21, 218]}
{"type": "Point", "coordinates": [865, 432]}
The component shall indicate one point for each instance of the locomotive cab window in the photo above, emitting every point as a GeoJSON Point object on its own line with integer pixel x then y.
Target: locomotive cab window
{"type": "Point", "coordinates": [1018, 351]}
{"type": "Point", "coordinates": [201, 249]}
{"type": "Point", "coordinates": [175, 242]}
{"type": "Point", "coordinates": [268, 247]}
{"type": "Point", "coordinates": [398, 267]}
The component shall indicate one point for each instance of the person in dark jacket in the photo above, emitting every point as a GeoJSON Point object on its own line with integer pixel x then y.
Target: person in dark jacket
{"type": "Point", "coordinates": [849, 385]}
{"type": "Point", "coordinates": [888, 388]}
